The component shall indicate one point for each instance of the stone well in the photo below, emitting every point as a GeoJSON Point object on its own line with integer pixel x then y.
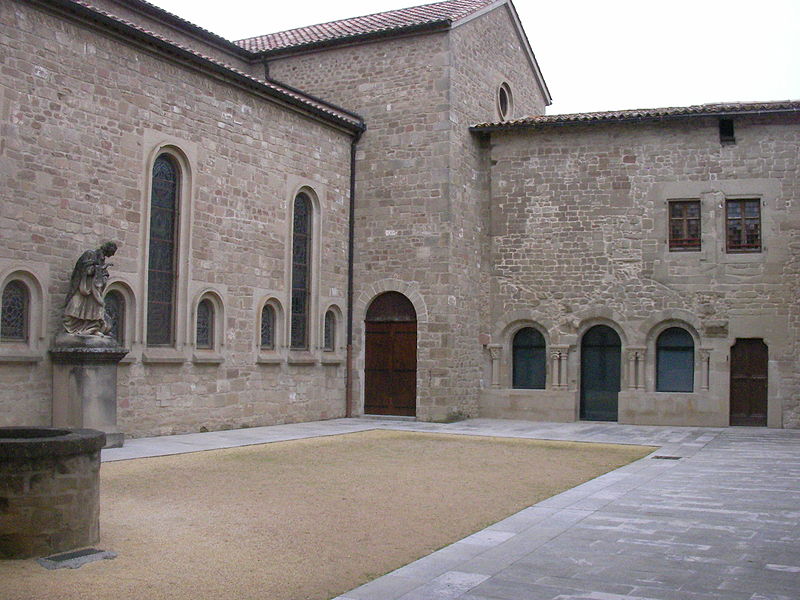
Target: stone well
{"type": "Point", "coordinates": [49, 490]}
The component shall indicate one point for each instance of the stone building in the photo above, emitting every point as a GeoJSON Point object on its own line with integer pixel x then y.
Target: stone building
{"type": "Point", "coordinates": [373, 216]}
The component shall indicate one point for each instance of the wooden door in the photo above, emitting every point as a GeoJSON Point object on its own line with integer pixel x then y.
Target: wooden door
{"type": "Point", "coordinates": [749, 360]}
{"type": "Point", "coordinates": [390, 373]}
{"type": "Point", "coordinates": [600, 374]}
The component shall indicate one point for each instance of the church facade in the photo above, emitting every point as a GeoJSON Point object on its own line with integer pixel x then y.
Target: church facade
{"type": "Point", "coordinates": [375, 217]}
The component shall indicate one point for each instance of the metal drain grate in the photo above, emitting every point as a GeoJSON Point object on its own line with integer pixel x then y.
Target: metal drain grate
{"type": "Point", "coordinates": [75, 559]}
{"type": "Point", "coordinates": [661, 457]}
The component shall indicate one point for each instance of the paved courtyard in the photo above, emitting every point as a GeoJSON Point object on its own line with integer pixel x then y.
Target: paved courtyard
{"type": "Point", "coordinates": [712, 514]}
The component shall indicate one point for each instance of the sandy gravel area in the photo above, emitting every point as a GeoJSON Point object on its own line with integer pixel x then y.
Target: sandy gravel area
{"type": "Point", "coordinates": [305, 519]}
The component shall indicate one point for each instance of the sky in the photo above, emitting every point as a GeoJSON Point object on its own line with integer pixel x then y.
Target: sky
{"type": "Point", "coordinates": [596, 54]}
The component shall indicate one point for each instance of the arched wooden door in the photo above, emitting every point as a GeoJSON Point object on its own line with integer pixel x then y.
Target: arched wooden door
{"type": "Point", "coordinates": [600, 374]}
{"type": "Point", "coordinates": [390, 373]}
{"type": "Point", "coordinates": [749, 362]}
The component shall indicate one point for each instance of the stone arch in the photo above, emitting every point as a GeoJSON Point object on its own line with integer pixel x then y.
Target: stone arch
{"type": "Point", "coordinates": [408, 289]}
{"type": "Point", "coordinates": [124, 289]}
{"type": "Point", "coordinates": [36, 323]}
{"type": "Point", "coordinates": [218, 318]}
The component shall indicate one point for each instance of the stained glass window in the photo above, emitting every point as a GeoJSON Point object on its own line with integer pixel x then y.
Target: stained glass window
{"type": "Point", "coordinates": [115, 315]}
{"type": "Point", "coordinates": [14, 316]}
{"type": "Point", "coordinates": [329, 332]}
{"type": "Point", "coordinates": [161, 269]}
{"type": "Point", "coordinates": [529, 360]}
{"type": "Point", "coordinates": [205, 324]}
{"type": "Point", "coordinates": [268, 327]}
{"type": "Point", "coordinates": [675, 361]}
{"type": "Point", "coordinates": [301, 263]}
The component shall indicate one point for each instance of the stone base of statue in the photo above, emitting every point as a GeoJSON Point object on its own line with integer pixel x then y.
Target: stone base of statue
{"type": "Point", "coordinates": [85, 384]}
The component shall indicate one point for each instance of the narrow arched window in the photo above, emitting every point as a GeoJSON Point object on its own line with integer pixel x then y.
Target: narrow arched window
{"type": "Point", "coordinates": [267, 327]}
{"type": "Point", "coordinates": [115, 315]}
{"type": "Point", "coordinates": [675, 361]}
{"type": "Point", "coordinates": [329, 332]}
{"type": "Point", "coordinates": [529, 360]}
{"type": "Point", "coordinates": [15, 312]}
{"type": "Point", "coordinates": [162, 263]}
{"type": "Point", "coordinates": [205, 324]}
{"type": "Point", "coordinates": [301, 271]}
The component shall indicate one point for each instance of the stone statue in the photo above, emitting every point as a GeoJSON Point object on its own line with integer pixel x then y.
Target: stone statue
{"type": "Point", "coordinates": [84, 312]}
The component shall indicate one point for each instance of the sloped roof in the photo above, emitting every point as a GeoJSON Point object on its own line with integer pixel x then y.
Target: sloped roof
{"type": "Point", "coordinates": [438, 13]}
{"type": "Point", "coordinates": [646, 114]}
{"type": "Point", "coordinates": [285, 93]}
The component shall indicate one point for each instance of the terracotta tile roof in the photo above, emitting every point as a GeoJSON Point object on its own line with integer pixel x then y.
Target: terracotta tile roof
{"type": "Point", "coordinates": [285, 93]}
{"type": "Point", "coordinates": [443, 13]}
{"type": "Point", "coordinates": [647, 114]}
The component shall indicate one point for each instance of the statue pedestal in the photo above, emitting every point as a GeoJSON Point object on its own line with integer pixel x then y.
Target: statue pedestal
{"type": "Point", "coordinates": [85, 384]}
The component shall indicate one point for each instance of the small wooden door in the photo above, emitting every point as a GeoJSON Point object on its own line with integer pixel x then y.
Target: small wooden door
{"type": "Point", "coordinates": [600, 374]}
{"type": "Point", "coordinates": [749, 361]}
{"type": "Point", "coordinates": [390, 373]}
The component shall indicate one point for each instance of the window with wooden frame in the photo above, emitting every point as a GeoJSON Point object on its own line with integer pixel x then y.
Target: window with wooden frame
{"type": "Point", "coordinates": [743, 225]}
{"type": "Point", "coordinates": [684, 225]}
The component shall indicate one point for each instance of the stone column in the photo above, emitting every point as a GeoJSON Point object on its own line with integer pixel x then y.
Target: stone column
{"type": "Point", "coordinates": [85, 384]}
{"type": "Point", "coordinates": [495, 351]}
{"type": "Point", "coordinates": [558, 366]}
{"type": "Point", "coordinates": [636, 368]}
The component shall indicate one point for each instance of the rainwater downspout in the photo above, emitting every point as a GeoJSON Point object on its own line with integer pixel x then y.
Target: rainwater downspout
{"type": "Point", "coordinates": [350, 250]}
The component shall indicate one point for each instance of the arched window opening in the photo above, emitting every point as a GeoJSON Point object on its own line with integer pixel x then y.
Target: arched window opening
{"type": "Point", "coordinates": [267, 327]}
{"type": "Point", "coordinates": [162, 263]}
{"type": "Point", "coordinates": [301, 271]}
{"type": "Point", "coordinates": [675, 361]}
{"type": "Point", "coordinates": [529, 360]}
{"type": "Point", "coordinates": [115, 316]}
{"type": "Point", "coordinates": [329, 332]}
{"type": "Point", "coordinates": [15, 312]}
{"type": "Point", "coordinates": [205, 324]}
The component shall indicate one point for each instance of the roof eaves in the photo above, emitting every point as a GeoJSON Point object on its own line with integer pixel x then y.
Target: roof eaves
{"type": "Point", "coordinates": [377, 34]}
{"type": "Point", "coordinates": [323, 110]}
{"type": "Point", "coordinates": [643, 116]}
{"type": "Point", "coordinates": [181, 23]}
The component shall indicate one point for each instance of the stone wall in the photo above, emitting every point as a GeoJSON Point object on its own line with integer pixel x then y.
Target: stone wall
{"type": "Point", "coordinates": [419, 182]}
{"type": "Point", "coordinates": [83, 117]}
{"type": "Point", "coordinates": [579, 234]}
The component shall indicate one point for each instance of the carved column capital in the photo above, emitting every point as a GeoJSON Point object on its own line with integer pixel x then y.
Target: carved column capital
{"type": "Point", "coordinates": [495, 350]}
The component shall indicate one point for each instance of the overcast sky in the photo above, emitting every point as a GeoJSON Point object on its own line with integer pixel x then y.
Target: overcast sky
{"type": "Point", "coordinates": [596, 55]}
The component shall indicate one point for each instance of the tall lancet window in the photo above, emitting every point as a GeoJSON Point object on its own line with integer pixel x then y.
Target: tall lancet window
{"type": "Point", "coordinates": [161, 267]}
{"type": "Point", "coordinates": [301, 271]}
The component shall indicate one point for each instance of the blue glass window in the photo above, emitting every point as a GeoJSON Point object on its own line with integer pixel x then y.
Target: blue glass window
{"type": "Point", "coordinates": [675, 361]}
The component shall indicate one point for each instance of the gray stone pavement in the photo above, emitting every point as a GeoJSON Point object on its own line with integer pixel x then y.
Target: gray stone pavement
{"type": "Point", "coordinates": [712, 514]}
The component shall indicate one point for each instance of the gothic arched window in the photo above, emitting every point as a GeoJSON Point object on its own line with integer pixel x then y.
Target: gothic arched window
{"type": "Point", "coordinates": [204, 337]}
{"type": "Point", "coordinates": [675, 361]}
{"type": "Point", "coordinates": [268, 327]}
{"type": "Point", "coordinates": [529, 360]}
{"type": "Point", "coordinates": [115, 315]}
{"type": "Point", "coordinates": [15, 312]}
{"type": "Point", "coordinates": [329, 332]}
{"type": "Point", "coordinates": [162, 263]}
{"type": "Point", "coordinates": [301, 271]}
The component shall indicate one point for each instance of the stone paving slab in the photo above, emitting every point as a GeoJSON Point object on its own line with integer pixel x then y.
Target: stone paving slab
{"type": "Point", "coordinates": [718, 523]}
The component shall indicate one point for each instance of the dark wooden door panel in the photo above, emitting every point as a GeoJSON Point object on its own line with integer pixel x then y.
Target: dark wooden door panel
{"type": "Point", "coordinates": [390, 374]}
{"type": "Point", "coordinates": [748, 399]}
